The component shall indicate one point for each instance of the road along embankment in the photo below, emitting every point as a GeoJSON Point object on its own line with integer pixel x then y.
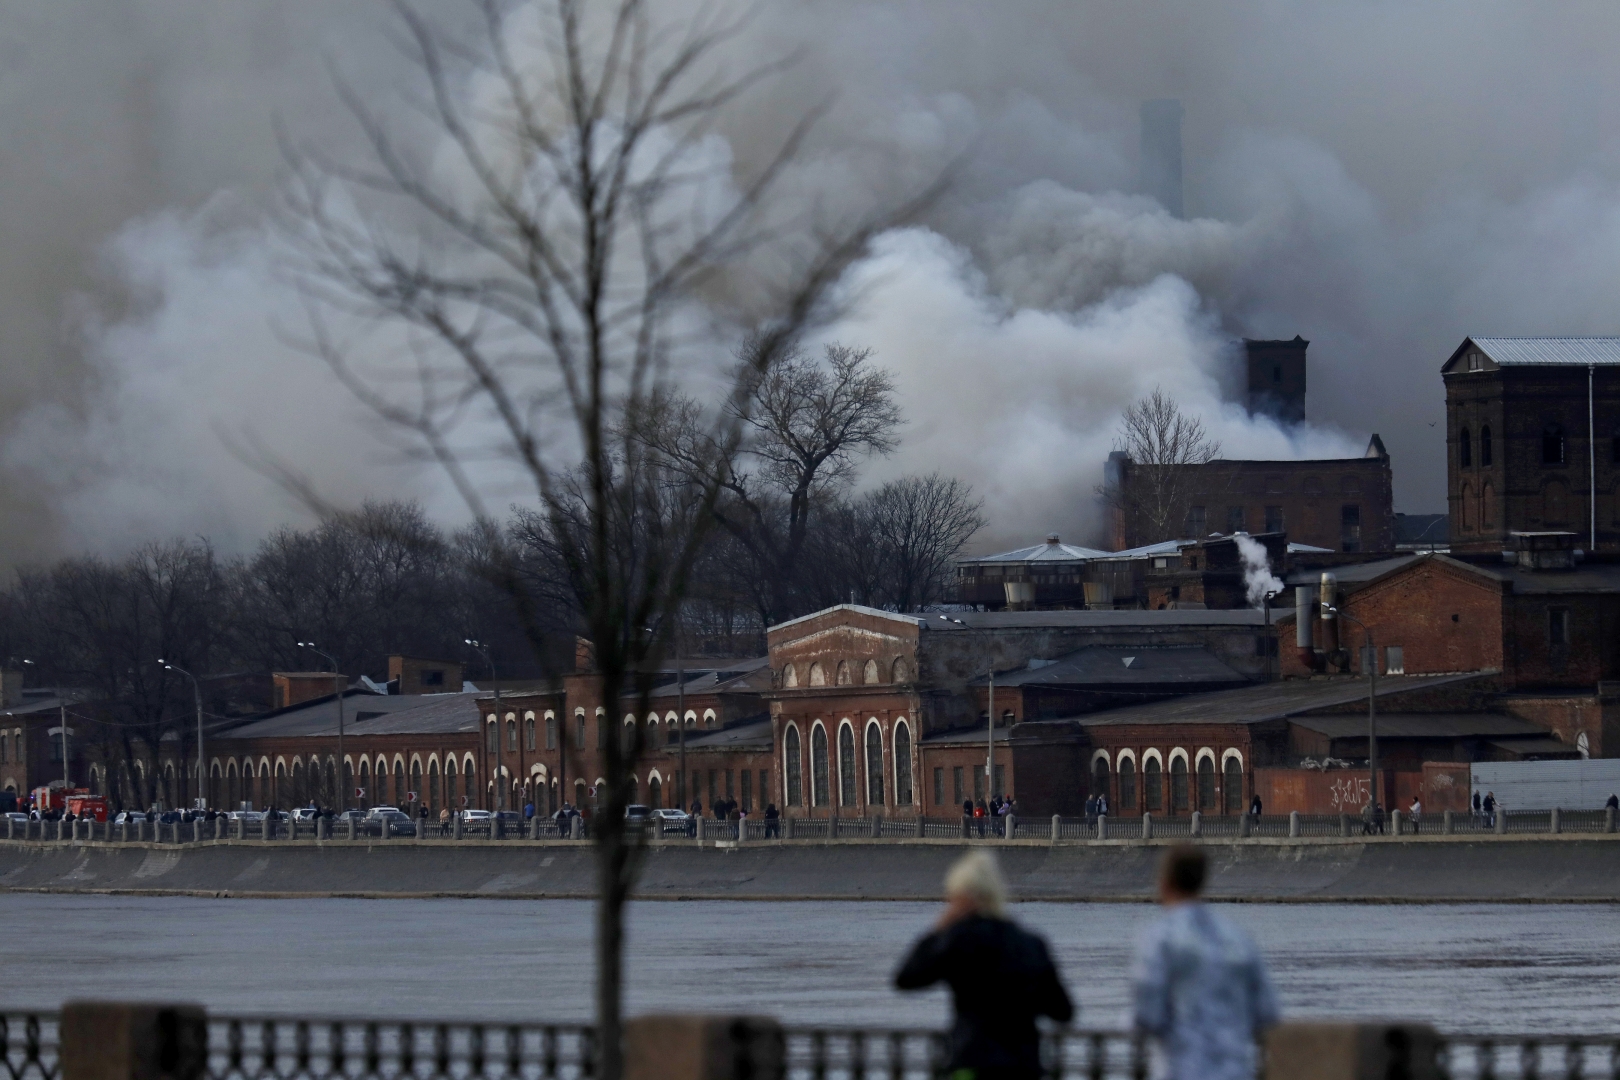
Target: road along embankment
{"type": "Point", "coordinates": [1422, 870]}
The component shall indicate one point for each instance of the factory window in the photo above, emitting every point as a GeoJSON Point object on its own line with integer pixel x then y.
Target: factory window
{"type": "Point", "coordinates": [432, 677]}
{"type": "Point", "coordinates": [1276, 373]}
{"type": "Point", "coordinates": [655, 793]}
{"type": "Point", "coordinates": [1552, 444]}
{"type": "Point", "coordinates": [1312, 485]}
{"type": "Point", "coordinates": [1197, 523]}
{"type": "Point", "coordinates": [528, 733]}
{"type": "Point", "coordinates": [551, 733]}
{"type": "Point", "coordinates": [1274, 519]}
{"type": "Point", "coordinates": [874, 765]}
{"type": "Point", "coordinates": [579, 731]}
{"type": "Point", "coordinates": [902, 764]}
{"type": "Point", "coordinates": [1234, 519]}
{"type": "Point", "coordinates": [450, 782]}
{"type": "Point", "coordinates": [1178, 785]}
{"type": "Point", "coordinates": [765, 786]}
{"type": "Point", "coordinates": [818, 766]}
{"type": "Point", "coordinates": [1394, 660]}
{"type": "Point", "coordinates": [939, 786]}
{"type": "Point", "coordinates": [1465, 449]}
{"type": "Point", "coordinates": [1558, 627]}
{"type": "Point", "coordinates": [492, 741]}
{"type": "Point", "coordinates": [1099, 777]}
{"type": "Point", "coordinates": [842, 676]}
{"type": "Point", "coordinates": [1274, 483]}
{"type": "Point", "coordinates": [1232, 788]}
{"type": "Point", "coordinates": [1152, 784]}
{"type": "Point", "coordinates": [846, 765]}
{"type": "Point", "coordinates": [433, 785]}
{"type": "Point", "coordinates": [794, 768]}
{"type": "Point", "coordinates": [1350, 485]}
{"type": "Point", "coordinates": [511, 734]}
{"type": "Point", "coordinates": [1350, 527]}
{"type": "Point", "coordinates": [818, 675]}
{"type": "Point", "coordinates": [1206, 783]}
{"type": "Point", "coordinates": [1474, 362]}
{"type": "Point", "coordinates": [747, 790]}
{"type": "Point", "coordinates": [1485, 446]}
{"type": "Point", "coordinates": [869, 674]}
{"type": "Point", "coordinates": [958, 795]}
{"type": "Point", "coordinates": [1127, 784]}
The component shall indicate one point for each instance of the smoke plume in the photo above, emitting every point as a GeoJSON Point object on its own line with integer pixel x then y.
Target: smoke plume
{"type": "Point", "coordinates": [1382, 181]}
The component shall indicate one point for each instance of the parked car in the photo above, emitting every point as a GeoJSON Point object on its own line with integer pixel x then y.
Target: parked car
{"type": "Point", "coordinates": [357, 815]}
{"type": "Point", "coordinates": [16, 815]}
{"type": "Point", "coordinates": [304, 813]}
{"type": "Point", "coordinates": [476, 815]}
{"type": "Point", "coordinates": [476, 821]}
{"type": "Point", "coordinates": [672, 820]}
{"type": "Point", "coordinates": [128, 817]}
{"type": "Point", "coordinates": [399, 822]}
{"type": "Point", "coordinates": [245, 815]}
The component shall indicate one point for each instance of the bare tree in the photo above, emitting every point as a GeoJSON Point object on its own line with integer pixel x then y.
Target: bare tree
{"type": "Point", "coordinates": [920, 524]}
{"type": "Point", "coordinates": [520, 288]}
{"type": "Point", "coordinates": [1161, 444]}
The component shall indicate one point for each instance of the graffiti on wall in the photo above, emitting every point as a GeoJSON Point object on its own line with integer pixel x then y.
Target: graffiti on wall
{"type": "Point", "coordinates": [1350, 794]}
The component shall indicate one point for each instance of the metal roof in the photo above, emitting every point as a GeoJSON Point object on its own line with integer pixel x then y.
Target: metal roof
{"type": "Point", "coordinates": [1166, 619]}
{"type": "Point", "coordinates": [1053, 550]}
{"type": "Point", "coordinates": [1423, 726]}
{"type": "Point", "coordinates": [1551, 350]}
{"type": "Point", "coordinates": [369, 714]}
{"type": "Point", "coordinates": [753, 734]}
{"type": "Point", "coordinates": [1267, 701]}
{"type": "Point", "coordinates": [1114, 665]}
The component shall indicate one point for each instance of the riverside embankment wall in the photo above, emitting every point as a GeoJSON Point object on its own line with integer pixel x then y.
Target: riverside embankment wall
{"type": "Point", "coordinates": [1410, 869]}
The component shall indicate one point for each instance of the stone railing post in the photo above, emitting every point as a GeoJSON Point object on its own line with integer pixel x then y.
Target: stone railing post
{"type": "Point", "coordinates": [351, 828]}
{"type": "Point", "coordinates": [1293, 823]}
{"type": "Point", "coordinates": [1608, 819]}
{"type": "Point", "coordinates": [1243, 826]}
{"type": "Point", "coordinates": [456, 826]}
{"type": "Point", "coordinates": [1554, 823]}
{"type": "Point", "coordinates": [787, 827]}
{"type": "Point", "coordinates": [921, 832]}
{"type": "Point", "coordinates": [61, 828]}
{"type": "Point", "coordinates": [703, 1048]}
{"type": "Point", "coordinates": [877, 826]}
{"type": "Point", "coordinates": [385, 828]}
{"type": "Point", "coordinates": [967, 827]}
{"type": "Point", "coordinates": [534, 828]}
{"type": "Point", "coordinates": [11, 828]}
{"type": "Point", "coordinates": [197, 829]}
{"type": "Point", "coordinates": [241, 828]}
{"type": "Point", "coordinates": [1501, 822]}
{"type": "Point", "coordinates": [1447, 824]}
{"type": "Point", "coordinates": [266, 827]}
{"type": "Point", "coordinates": [702, 829]}
{"type": "Point", "coordinates": [1395, 823]}
{"type": "Point", "coordinates": [1147, 826]}
{"type": "Point", "coordinates": [576, 828]}
{"type": "Point", "coordinates": [1010, 829]}
{"type": "Point", "coordinates": [1197, 823]}
{"type": "Point", "coordinates": [1344, 824]}
{"type": "Point", "coordinates": [1102, 827]}
{"type": "Point", "coordinates": [323, 828]}
{"type": "Point", "coordinates": [129, 1041]}
{"type": "Point", "coordinates": [1371, 1051]}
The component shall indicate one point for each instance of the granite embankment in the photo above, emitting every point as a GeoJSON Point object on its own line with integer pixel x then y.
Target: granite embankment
{"type": "Point", "coordinates": [1532, 869]}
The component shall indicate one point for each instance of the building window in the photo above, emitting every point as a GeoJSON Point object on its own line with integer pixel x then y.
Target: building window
{"type": "Point", "coordinates": [1152, 784]}
{"type": "Point", "coordinates": [1394, 660]}
{"type": "Point", "coordinates": [432, 677]}
{"type": "Point", "coordinates": [579, 731]}
{"type": "Point", "coordinates": [1099, 777]}
{"type": "Point", "coordinates": [1127, 784]}
{"type": "Point", "coordinates": [1485, 446]}
{"type": "Point", "coordinates": [511, 734]}
{"type": "Point", "coordinates": [1558, 627]}
{"type": "Point", "coordinates": [1178, 785]}
{"type": "Point", "coordinates": [1197, 517]}
{"type": "Point", "coordinates": [819, 788]}
{"type": "Point", "coordinates": [958, 792]}
{"type": "Point", "coordinates": [1234, 519]}
{"type": "Point", "coordinates": [492, 741]}
{"type": "Point", "coordinates": [764, 785]}
{"type": "Point", "coordinates": [433, 785]}
{"type": "Point", "coordinates": [1465, 449]}
{"type": "Point", "coordinates": [1552, 444]}
{"type": "Point", "coordinates": [655, 793]}
{"type": "Point", "coordinates": [528, 733]}
{"type": "Point", "coordinates": [747, 789]}
{"type": "Point", "coordinates": [939, 786]}
{"type": "Point", "coordinates": [795, 775]}
{"type": "Point", "coordinates": [1232, 789]}
{"type": "Point", "coordinates": [902, 765]}
{"type": "Point", "coordinates": [874, 766]}
{"type": "Point", "coordinates": [1206, 783]}
{"type": "Point", "coordinates": [846, 766]}
{"type": "Point", "coordinates": [1350, 527]}
{"type": "Point", "coordinates": [1274, 519]}
{"type": "Point", "coordinates": [551, 733]}
{"type": "Point", "coordinates": [601, 732]}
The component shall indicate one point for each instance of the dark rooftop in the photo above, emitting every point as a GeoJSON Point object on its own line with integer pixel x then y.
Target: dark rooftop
{"type": "Point", "coordinates": [1113, 665]}
{"type": "Point", "coordinates": [1422, 726]}
{"type": "Point", "coordinates": [751, 734]}
{"type": "Point", "coordinates": [1267, 701]}
{"type": "Point", "coordinates": [368, 714]}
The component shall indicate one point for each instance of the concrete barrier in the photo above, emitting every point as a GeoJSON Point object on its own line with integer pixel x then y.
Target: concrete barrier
{"type": "Point", "coordinates": [1327, 1051]}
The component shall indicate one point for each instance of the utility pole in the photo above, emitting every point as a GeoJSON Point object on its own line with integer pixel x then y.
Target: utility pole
{"type": "Point", "coordinates": [202, 760]}
{"type": "Point", "coordinates": [495, 771]}
{"type": "Point", "coordinates": [337, 691]}
{"type": "Point", "coordinates": [680, 707]}
{"type": "Point", "coordinates": [990, 745]}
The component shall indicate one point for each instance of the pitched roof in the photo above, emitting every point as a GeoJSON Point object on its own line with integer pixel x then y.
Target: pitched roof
{"type": "Point", "coordinates": [1510, 352]}
{"type": "Point", "coordinates": [1422, 726]}
{"type": "Point", "coordinates": [1053, 550]}
{"type": "Point", "coordinates": [368, 714]}
{"type": "Point", "coordinates": [1267, 701]}
{"type": "Point", "coordinates": [1120, 665]}
{"type": "Point", "coordinates": [752, 734]}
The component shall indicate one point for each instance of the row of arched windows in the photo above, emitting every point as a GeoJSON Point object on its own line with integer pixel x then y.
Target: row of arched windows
{"type": "Point", "coordinates": [1183, 794]}
{"type": "Point", "coordinates": [848, 774]}
{"type": "Point", "coordinates": [872, 672]}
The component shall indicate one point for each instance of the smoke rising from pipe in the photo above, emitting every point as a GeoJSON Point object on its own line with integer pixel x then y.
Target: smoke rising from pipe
{"type": "Point", "coordinates": [1258, 580]}
{"type": "Point", "coordinates": [1368, 180]}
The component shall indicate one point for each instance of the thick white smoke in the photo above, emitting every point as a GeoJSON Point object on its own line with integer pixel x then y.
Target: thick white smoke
{"type": "Point", "coordinates": [1258, 580]}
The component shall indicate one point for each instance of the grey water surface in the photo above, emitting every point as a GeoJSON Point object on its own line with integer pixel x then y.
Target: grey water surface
{"type": "Point", "coordinates": [1496, 968]}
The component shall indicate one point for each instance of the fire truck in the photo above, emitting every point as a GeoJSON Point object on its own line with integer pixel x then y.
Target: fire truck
{"type": "Point", "coordinates": [76, 801]}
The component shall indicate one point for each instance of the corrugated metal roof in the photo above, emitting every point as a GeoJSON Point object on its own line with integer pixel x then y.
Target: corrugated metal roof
{"type": "Point", "coordinates": [1423, 726]}
{"type": "Point", "coordinates": [1051, 551]}
{"type": "Point", "coordinates": [1551, 350]}
{"type": "Point", "coordinates": [1267, 701]}
{"type": "Point", "coordinates": [1114, 665]}
{"type": "Point", "coordinates": [753, 734]}
{"type": "Point", "coordinates": [401, 714]}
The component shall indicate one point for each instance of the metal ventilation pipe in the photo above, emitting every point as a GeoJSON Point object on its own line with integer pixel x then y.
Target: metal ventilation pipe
{"type": "Point", "coordinates": [1305, 624]}
{"type": "Point", "coordinates": [1327, 600]}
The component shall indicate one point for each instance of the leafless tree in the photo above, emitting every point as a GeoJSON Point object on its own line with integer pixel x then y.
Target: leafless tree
{"type": "Point", "coordinates": [516, 289]}
{"type": "Point", "coordinates": [1162, 444]}
{"type": "Point", "coordinates": [919, 525]}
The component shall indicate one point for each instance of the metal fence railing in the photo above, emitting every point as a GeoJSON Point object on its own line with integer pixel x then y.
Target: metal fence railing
{"type": "Point", "coordinates": [242, 1048]}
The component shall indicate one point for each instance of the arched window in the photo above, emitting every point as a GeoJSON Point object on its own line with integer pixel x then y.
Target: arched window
{"type": "Point", "coordinates": [1152, 784]}
{"type": "Point", "coordinates": [818, 674]}
{"type": "Point", "coordinates": [1178, 785]}
{"type": "Point", "coordinates": [902, 764]}
{"type": "Point", "coordinates": [528, 733]}
{"type": "Point", "coordinates": [846, 766]}
{"type": "Point", "coordinates": [416, 778]}
{"type": "Point", "coordinates": [794, 766]}
{"type": "Point", "coordinates": [551, 733]}
{"type": "Point", "coordinates": [902, 670]}
{"type": "Point", "coordinates": [1552, 444]}
{"type": "Point", "coordinates": [1127, 784]}
{"type": "Point", "coordinates": [1232, 786]}
{"type": "Point", "coordinates": [869, 674]}
{"type": "Point", "coordinates": [296, 792]}
{"type": "Point", "coordinates": [843, 677]}
{"type": "Point", "coordinates": [790, 676]}
{"type": "Point", "coordinates": [1465, 503]}
{"type": "Point", "coordinates": [399, 782]}
{"type": "Point", "coordinates": [1485, 446]}
{"type": "Point", "coordinates": [348, 783]}
{"type": "Point", "coordinates": [433, 786]}
{"type": "Point", "coordinates": [655, 793]}
{"type": "Point", "coordinates": [511, 733]}
{"type": "Point", "coordinates": [1487, 506]}
{"type": "Point", "coordinates": [450, 782]}
{"type": "Point", "coordinates": [874, 766]}
{"type": "Point", "coordinates": [819, 788]}
{"type": "Point", "coordinates": [277, 793]}
{"type": "Point", "coordinates": [492, 742]}
{"type": "Point", "coordinates": [1099, 776]}
{"type": "Point", "coordinates": [1465, 449]}
{"type": "Point", "coordinates": [1206, 783]}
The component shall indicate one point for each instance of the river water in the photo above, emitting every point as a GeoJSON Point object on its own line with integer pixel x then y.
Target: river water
{"type": "Point", "coordinates": [1498, 968]}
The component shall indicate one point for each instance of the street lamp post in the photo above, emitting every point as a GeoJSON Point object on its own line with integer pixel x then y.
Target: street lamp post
{"type": "Point", "coordinates": [202, 760]}
{"type": "Point", "coordinates": [337, 691]}
{"type": "Point", "coordinates": [1370, 660]}
{"type": "Point", "coordinates": [495, 777]}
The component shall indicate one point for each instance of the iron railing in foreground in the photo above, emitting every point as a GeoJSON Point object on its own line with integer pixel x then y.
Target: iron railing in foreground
{"type": "Point", "coordinates": [276, 1048]}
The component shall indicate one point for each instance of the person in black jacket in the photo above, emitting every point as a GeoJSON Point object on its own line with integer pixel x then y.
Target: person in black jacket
{"type": "Point", "coordinates": [1001, 977]}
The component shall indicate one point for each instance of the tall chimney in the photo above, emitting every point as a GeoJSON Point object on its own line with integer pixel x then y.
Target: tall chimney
{"type": "Point", "coordinates": [1161, 152]}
